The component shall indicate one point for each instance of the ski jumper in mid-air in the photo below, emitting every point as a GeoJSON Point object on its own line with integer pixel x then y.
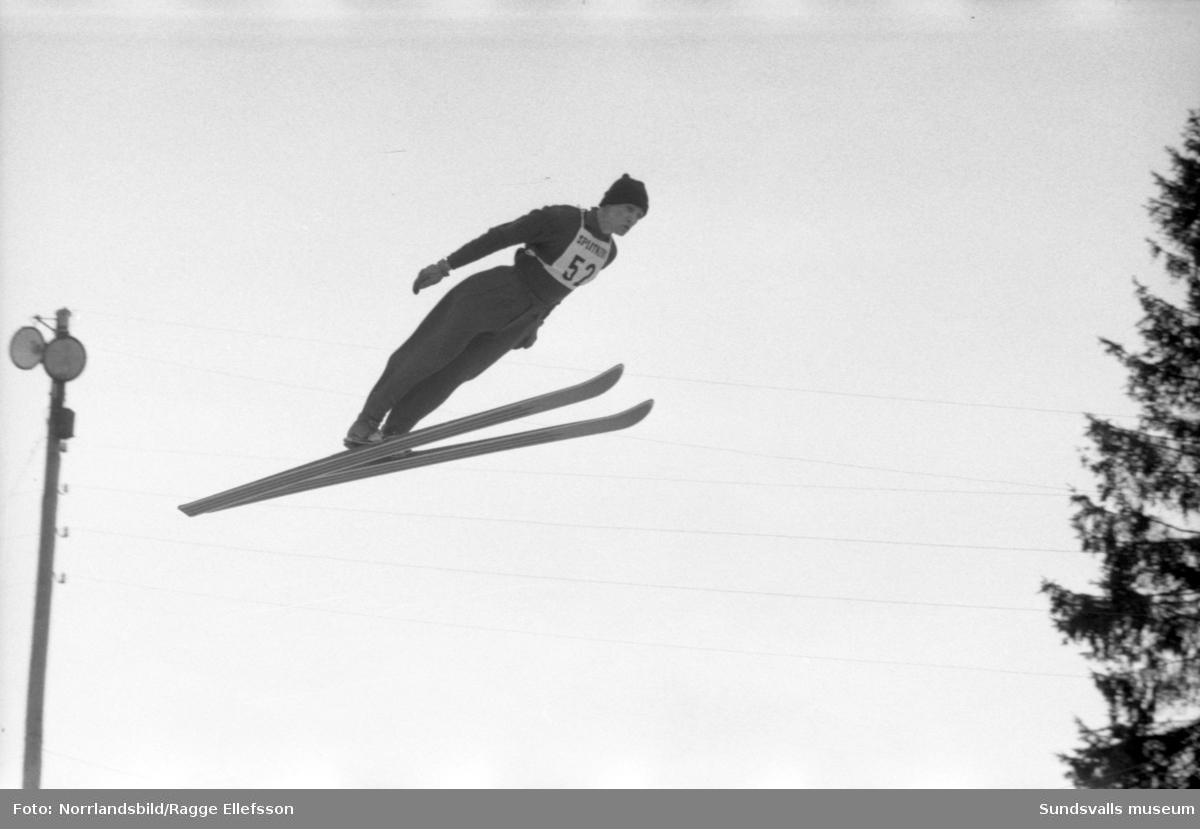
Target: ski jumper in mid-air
{"type": "Point", "coordinates": [491, 312]}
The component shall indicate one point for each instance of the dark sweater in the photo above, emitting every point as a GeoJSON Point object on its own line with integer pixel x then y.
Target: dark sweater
{"type": "Point", "coordinates": [546, 232]}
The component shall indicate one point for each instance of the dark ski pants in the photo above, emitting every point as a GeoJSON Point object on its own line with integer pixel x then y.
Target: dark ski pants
{"type": "Point", "coordinates": [475, 324]}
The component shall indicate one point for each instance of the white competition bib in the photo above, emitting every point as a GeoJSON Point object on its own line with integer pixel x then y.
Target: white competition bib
{"type": "Point", "coordinates": [582, 259]}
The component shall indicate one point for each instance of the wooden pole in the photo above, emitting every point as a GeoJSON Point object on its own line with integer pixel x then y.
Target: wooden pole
{"type": "Point", "coordinates": [45, 583]}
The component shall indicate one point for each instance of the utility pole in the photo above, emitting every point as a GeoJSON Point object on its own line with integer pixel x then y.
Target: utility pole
{"type": "Point", "coordinates": [63, 359]}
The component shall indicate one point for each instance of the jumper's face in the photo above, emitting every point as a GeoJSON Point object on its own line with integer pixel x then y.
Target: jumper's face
{"type": "Point", "coordinates": [619, 219]}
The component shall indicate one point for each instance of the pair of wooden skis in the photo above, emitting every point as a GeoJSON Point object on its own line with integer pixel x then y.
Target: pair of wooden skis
{"type": "Point", "coordinates": [398, 453]}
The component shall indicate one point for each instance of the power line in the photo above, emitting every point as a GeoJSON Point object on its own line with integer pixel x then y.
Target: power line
{"type": "Point", "coordinates": [600, 640]}
{"type": "Point", "coordinates": [632, 437]}
{"type": "Point", "coordinates": [888, 397]}
{"type": "Point", "coordinates": [671, 530]}
{"type": "Point", "coordinates": [653, 479]}
{"type": "Point", "coordinates": [236, 331]}
{"type": "Point", "coordinates": [643, 478]}
{"type": "Point", "coordinates": [726, 383]}
{"type": "Point", "coordinates": [504, 574]}
{"type": "Point", "coordinates": [100, 765]}
{"type": "Point", "coordinates": [846, 465]}
{"type": "Point", "coordinates": [666, 530]}
{"type": "Point", "coordinates": [224, 373]}
{"type": "Point", "coordinates": [1054, 489]}
{"type": "Point", "coordinates": [38, 444]}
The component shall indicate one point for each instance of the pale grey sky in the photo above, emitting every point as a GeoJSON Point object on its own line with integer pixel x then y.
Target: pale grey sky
{"type": "Point", "coordinates": [882, 243]}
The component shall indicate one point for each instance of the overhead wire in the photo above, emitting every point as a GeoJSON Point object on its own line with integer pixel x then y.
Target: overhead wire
{"type": "Point", "coordinates": [673, 378]}
{"type": "Point", "coordinates": [510, 574]}
{"type": "Point", "coordinates": [745, 452]}
{"type": "Point", "coordinates": [848, 465]}
{"type": "Point", "coordinates": [686, 531]}
{"type": "Point", "coordinates": [262, 380]}
{"type": "Point", "coordinates": [24, 467]}
{"type": "Point", "coordinates": [826, 392]}
{"type": "Point", "coordinates": [464, 469]}
{"type": "Point", "coordinates": [224, 330]}
{"type": "Point", "coordinates": [576, 579]}
{"type": "Point", "coordinates": [98, 765]}
{"type": "Point", "coordinates": [678, 530]}
{"type": "Point", "coordinates": [605, 640]}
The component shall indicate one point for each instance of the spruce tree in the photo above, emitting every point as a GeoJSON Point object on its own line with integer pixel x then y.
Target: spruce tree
{"type": "Point", "coordinates": [1141, 627]}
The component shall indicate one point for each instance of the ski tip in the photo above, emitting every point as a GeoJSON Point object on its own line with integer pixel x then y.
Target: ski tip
{"type": "Point", "coordinates": [640, 411]}
{"type": "Point", "coordinates": [602, 382]}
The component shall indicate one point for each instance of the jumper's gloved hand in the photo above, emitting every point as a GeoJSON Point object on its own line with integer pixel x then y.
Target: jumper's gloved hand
{"type": "Point", "coordinates": [528, 340]}
{"type": "Point", "coordinates": [531, 335]}
{"type": "Point", "coordinates": [431, 275]}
